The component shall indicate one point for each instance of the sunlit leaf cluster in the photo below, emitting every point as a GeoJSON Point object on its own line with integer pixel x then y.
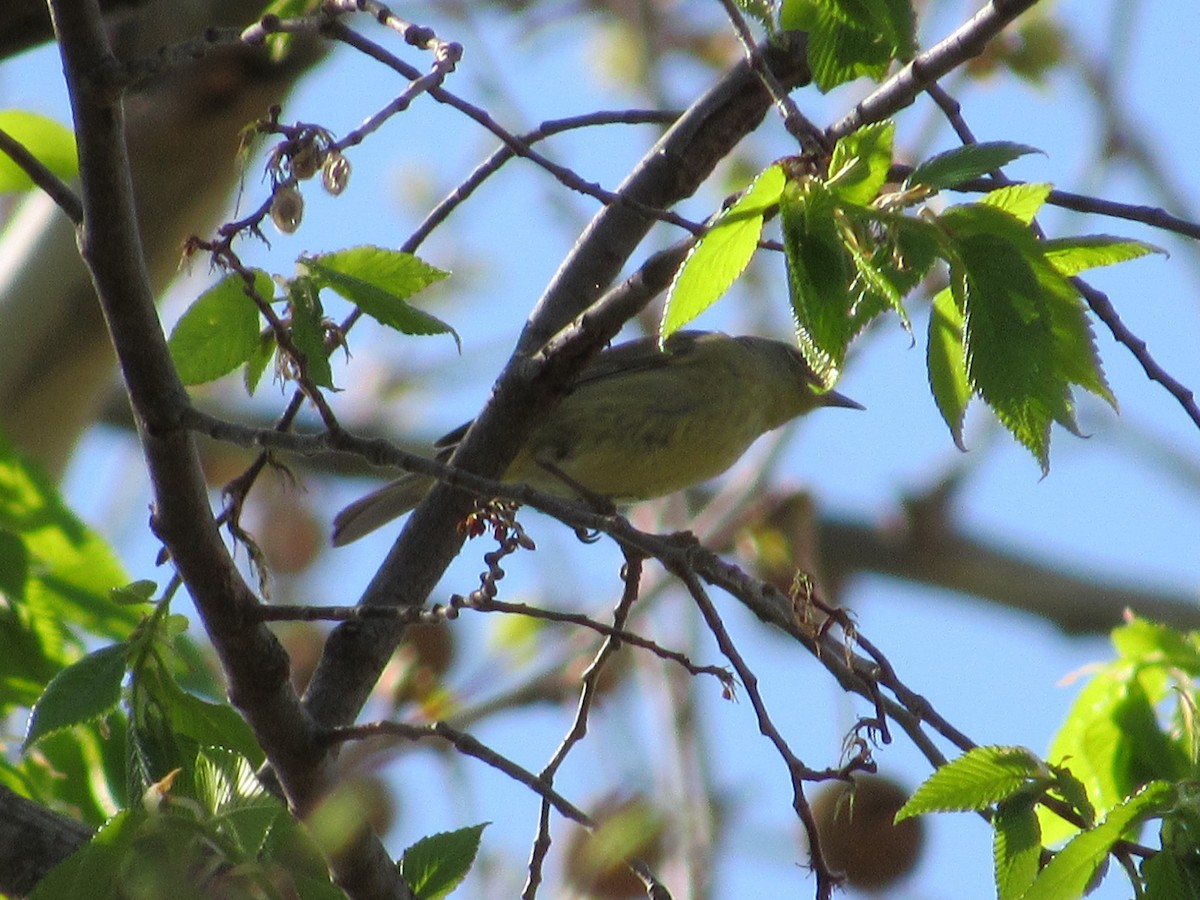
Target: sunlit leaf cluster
{"type": "Point", "coordinates": [1010, 327]}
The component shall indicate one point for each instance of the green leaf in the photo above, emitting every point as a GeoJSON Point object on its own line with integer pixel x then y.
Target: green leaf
{"type": "Point", "coordinates": [1070, 256]}
{"type": "Point", "coordinates": [851, 38]}
{"type": "Point", "coordinates": [219, 331]}
{"type": "Point", "coordinates": [1027, 337]}
{"type": "Point", "coordinates": [1021, 201]}
{"type": "Point", "coordinates": [70, 569]}
{"type": "Point", "coordinates": [901, 252]}
{"type": "Point", "coordinates": [946, 362]}
{"type": "Point", "coordinates": [1143, 642]}
{"type": "Point", "coordinates": [964, 163]}
{"type": "Point", "coordinates": [14, 564]}
{"type": "Point", "coordinates": [977, 779]}
{"type": "Point", "coordinates": [721, 255]}
{"type": "Point", "coordinates": [213, 725]}
{"type": "Point", "coordinates": [797, 15]}
{"type": "Point", "coordinates": [308, 331]}
{"type": "Point", "coordinates": [135, 593]}
{"type": "Point", "coordinates": [94, 871]}
{"type": "Point", "coordinates": [1017, 848]}
{"type": "Point", "coordinates": [1070, 871]}
{"type": "Point", "coordinates": [379, 281]}
{"type": "Point", "coordinates": [838, 53]}
{"type": "Point", "coordinates": [51, 143]}
{"type": "Point", "coordinates": [1112, 740]}
{"type": "Point", "coordinates": [435, 865]}
{"type": "Point", "coordinates": [872, 288]}
{"type": "Point", "coordinates": [1073, 791]}
{"type": "Point", "coordinates": [860, 163]}
{"type": "Point", "coordinates": [82, 692]}
{"type": "Point", "coordinates": [1167, 877]}
{"type": "Point", "coordinates": [1008, 340]}
{"type": "Point", "coordinates": [257, 364]}
{"type": "Point", "coordinates": [818, 276]}
{"type": "Point", "coordinates": [242, 809]}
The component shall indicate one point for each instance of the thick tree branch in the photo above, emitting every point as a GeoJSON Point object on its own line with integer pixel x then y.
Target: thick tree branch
{"type": "Point", "coordinates": [33, 840]}
{"type": "Point", "coordinates": [253, 660]}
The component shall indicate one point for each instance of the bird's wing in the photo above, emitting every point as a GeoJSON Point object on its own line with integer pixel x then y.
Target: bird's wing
{"type": "Point", "coordinates": [638, 355]}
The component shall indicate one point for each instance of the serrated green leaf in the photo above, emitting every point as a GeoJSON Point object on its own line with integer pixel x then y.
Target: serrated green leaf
{"type": "Point", "coordinates": [892, 20]}
{"type": "Point", "coordinates": [1017, 848]}
{"type": "Point", "coordinates": [872, 281]}
{"type": "Point", "coordinates": [1070, 256]}
{"type": "Point", "coordinates": [964, 163]}
{"type": "Point", "coordinates": [435, 865]}
{"type": "Point", "coordinates": [1112, 740]}
{"type": "Point", "coordinates": [1008, 340]}
{"type": "Point", "coordinates": [52, 143]}
{"type": "Point", "coordinates": [839, 52]}
{"type": "Point", "coordinates": [1073, 791]}
{"type": "Point", "coordinates": [852, 38]}
{"type": "Point", "coordinates": [818, 277]}
{"type": "Point", "coordinates": [902, 251]}
{"type": "Point", "coordinates": [219, 331]}
{"type": "Point", "coordinates": [974, 781]}
{"type": "Point", "coordinates": [946, 363]}
{"type": "Point", "coordinates": [398, 274]}
{"type": "Point", "coordinates": [859, 166]}
{"type": "Point", "coordinates": [379, 281]}
{"type": "Point", "coordinates": [1068, 873]}
{"type": "Point", "coordinates": [722, 254]}
{"type": "Point", "coordinates": [241, 808]}
{"type": "Point", "coordinates": [1021, 201]}
{"type": "Point", "coordinates": [1088, 745]}
{"type": "Point", "coordinates": [1027, 336]}
{"type": "Point", "coordinates": [307, 326]}
{"type": "Point", "coordinates": [83, 692]}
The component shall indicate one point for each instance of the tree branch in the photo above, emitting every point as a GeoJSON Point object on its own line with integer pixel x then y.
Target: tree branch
{"type": "Point", "coordinates": [966, 41]}
{"type": "Point", "coordinates": [252, 658]}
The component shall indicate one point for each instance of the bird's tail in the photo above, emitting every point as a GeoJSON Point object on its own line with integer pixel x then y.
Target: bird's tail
{"type": "Point", "coordinates": [379, 507]}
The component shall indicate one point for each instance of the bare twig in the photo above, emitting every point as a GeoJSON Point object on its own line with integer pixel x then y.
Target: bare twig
{"type": "Point", "coordinates": [631, 575]}
{"type": "Point", "coordinates": [66, 199]}
{"type": "Point", "coordinates": [808, 135]}
{"type": "Point", "coordinates": [797, 770]}
{"type": "Point", "coordinates": [965, 42]}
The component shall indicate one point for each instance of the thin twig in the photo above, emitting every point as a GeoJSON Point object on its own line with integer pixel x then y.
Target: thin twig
{"type": "Point", "coordinates": [58, 191]}
{"type": "Point", "coordinates": [797, 770]}
{"type": "Point", "coordinates": [901, 89]}
{"type": "Point", "coordinates": [808, 135]}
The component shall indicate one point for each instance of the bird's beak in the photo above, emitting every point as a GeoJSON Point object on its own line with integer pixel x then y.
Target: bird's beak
{"type": "Point", "coordinates": [833, 398]}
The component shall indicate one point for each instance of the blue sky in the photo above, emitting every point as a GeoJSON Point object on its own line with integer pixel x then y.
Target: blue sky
{"type": "Point", "coordinates": [1104, 509]}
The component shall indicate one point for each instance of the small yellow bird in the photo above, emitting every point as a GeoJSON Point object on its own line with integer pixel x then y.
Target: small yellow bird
{"type": "Point", "coordinates": [639, 422]}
